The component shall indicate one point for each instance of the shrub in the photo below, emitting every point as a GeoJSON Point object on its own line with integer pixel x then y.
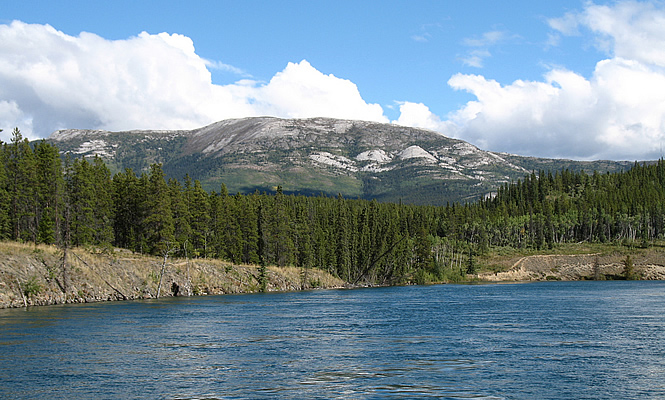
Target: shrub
{"type": "Point", "coordinates": [32, 287]}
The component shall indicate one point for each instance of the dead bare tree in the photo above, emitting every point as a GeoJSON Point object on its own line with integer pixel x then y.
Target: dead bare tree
{"type": "Point", "coordinates": [189, 279]}
{"type": "Point", "coordinates": [20, 290]}
{"type": "Point", "coordinates": [169, 247]}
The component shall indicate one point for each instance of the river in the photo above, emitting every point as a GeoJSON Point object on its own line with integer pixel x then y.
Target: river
{"type": "Point", "coordinates": [548, 340]}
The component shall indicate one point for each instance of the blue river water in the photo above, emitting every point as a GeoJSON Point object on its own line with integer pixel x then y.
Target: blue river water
{"type": "Point", "coordinates": [549, 340]}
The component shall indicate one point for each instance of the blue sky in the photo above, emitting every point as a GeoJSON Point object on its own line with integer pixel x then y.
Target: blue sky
{"type": "Point", "coordinates": [572, 79]}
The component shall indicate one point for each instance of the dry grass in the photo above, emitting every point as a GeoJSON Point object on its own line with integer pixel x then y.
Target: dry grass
{"type": "Point", "coordinates": [573, 261]}
{"type": "Point", "coordinates": [504, 258]}
{"type": "Point", "coordinates": [34, 275]}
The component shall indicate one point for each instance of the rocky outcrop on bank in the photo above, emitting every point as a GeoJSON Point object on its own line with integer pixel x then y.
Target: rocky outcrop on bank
{"type": "Point", "coordinates": [576, 267]}
{"type": "Point", "coordinates": [36, 275]}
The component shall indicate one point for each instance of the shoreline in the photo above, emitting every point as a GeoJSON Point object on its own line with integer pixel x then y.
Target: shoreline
{"type": "Point", "coordinates": [34, 276]}
{"type": "Point", "coordinates": [546, 267]}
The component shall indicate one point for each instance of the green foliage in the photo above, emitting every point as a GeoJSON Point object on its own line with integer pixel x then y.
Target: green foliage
{"type": "Point", "coordinates": [21, 184]}
{"type": "Point", "coordinates": [315, 283]}
{"type": "Point", "coordinates": [471, 263]}
{"type": "Point", "coordinates": [153, 277]}
{"type": "Point", "coordinates": [49, 192]}
{"type": "Point", "coordinates": [181, 218]}
{"type": "Point", "coordinates": [423, 277]}
{"type": "Point", "coordinates": [198, 204]}
{"type": "Point", "coordinates": [247, 164]}
{"type": "Point", "coordinates": [32, 287]}
{"type": "Point", "coordinates": [263, 278]}
{"type": "Point", "coordinates": [360, 241]}
{"type": "Point", "coordinates": [629, 269]}
{"type": "Point", "coordinates": [128, 194]}
{"type": "Point", "coordinates": [5, 226]}
{"type": "Point", "coordinates": [158, 226]}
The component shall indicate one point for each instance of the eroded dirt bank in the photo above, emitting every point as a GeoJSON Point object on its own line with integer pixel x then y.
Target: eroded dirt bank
{"type": "Point", "coordinates": [34, 275]}
{"type": "Point", "coordinates": [576, 267]}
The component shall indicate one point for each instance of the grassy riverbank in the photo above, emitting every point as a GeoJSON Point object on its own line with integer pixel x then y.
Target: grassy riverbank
{"type": "Point", "coordinates": [36, 275]}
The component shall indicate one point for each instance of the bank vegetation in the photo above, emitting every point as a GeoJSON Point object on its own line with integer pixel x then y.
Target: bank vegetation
{"type": "Point", "coordinates": [69, 204]}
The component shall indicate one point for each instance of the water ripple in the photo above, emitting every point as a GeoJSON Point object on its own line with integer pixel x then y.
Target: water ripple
{"type": "Point", "coordinates": [593, 340]}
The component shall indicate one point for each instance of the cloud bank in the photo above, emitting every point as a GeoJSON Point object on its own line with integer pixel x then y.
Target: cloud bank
{"type": "Point", "coordinates": [617, 113]}
{"type": "Point", "coordinates": [50, 80]}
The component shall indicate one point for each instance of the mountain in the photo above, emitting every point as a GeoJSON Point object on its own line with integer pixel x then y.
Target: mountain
{"type": "Point", "coordinates": [357, 159]}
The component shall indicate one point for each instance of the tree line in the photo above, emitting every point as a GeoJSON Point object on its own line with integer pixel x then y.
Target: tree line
{"type": "Point", "coordinates": [45, 198]}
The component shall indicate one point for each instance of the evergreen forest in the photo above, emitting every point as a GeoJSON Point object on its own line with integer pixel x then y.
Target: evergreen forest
{"type": "Point", "coordinates": [66, 201]}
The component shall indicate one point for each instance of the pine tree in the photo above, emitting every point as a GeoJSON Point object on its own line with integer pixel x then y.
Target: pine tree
{"type": "Point", "coordinates": [103, 203]}
{"type": "Point", "coordinates": [81, 198]}
{"type": "Point", "coordinates": [280, 248]}
{"type": "Point", "coordinates": [22, 180]}
{"type": "Point", "coordinates": [49, 192]}
{"type": "Point", "coordinates": [215, 223]}
{"type": "Point", "coordinates": [342, 220]}
{"type": "Point", "coordinates": [199, 209]}
{"type": "Point", "coordinates": [127, 209]}
{"type": "Point", "coordinates": [158, 222]}
{"type": "Point", "coordinates": [5, 226]}
{"type": "Point", "coordinates": [181, 216]}
{"type": "Point", "coordinates": [303, 233]}
{"type": "Point", "coordinates": [422, 251]}
{"type": "Point", "coordinates": [629, 269]}
{"type": "Point", "coordinates": [226, 232]}
{"type": "Point", "coordinates": [247, 220]}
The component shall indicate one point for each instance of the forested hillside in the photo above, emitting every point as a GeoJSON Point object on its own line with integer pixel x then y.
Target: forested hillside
{"type": "Point", "coordinates": [78, 202]}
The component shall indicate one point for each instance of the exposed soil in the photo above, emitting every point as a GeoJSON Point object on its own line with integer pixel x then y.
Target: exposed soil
{"type": "Point", "coordinates": [576, 267]}
{"type": "Point", "coordinates": [34, 275]}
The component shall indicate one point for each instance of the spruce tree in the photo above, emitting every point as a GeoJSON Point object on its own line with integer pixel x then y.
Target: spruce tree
{"type": "Point", "coordinates": [247, 220]}
{"type": "Point", "coordinates": [181, 216]}
{"type": "Point", "coordinates": [22, 181]}
{"type": "Point", "coordinates": [127, 209]}
{"type": "Point", "coordinates": [158, 222]}
{"type": "Point", "coordinates": [49, 192]}
{"type": "Point", "coordinates": [103, 203]}
{"type": "Point", "coordinates": [81, 202]}
{"type": "Point", "coordinates": [215, 223]}
{"type": "Point", "coordinates": [629, 269]}
{"type": "Point", "coordinates": [342, 242]}
{"type": "Point", "coordinates": [5, 226]}
{"type": "Point", "coordinates": [199, 212]}
{"type": "Point", "coordinates": [277, 237]}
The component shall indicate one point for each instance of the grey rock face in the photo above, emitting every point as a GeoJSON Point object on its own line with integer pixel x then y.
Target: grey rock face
{"type": "Point", "coordinates": [355, 158]}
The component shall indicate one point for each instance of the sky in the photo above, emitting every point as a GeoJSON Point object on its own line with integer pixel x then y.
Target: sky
{"type": "Point", "coordinates": [573, 79]}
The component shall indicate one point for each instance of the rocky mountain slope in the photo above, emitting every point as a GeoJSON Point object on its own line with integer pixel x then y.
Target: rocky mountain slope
{"type": "Point", "coordinates": [320, 155]}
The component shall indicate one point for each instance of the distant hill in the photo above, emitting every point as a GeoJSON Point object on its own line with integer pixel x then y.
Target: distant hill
{"type": "Point", "coordinates": [357, 159]}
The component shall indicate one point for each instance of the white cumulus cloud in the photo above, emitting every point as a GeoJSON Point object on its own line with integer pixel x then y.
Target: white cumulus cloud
{"type": "Point", "coordinates": [50, 80]}
{"type": "Point", "coordinates": [618, 112]}
{"type": "Point", "coordinates": [418, 115]}
{"type": "Point", "coordinates": [533, 118]}
{"type": "Point", "coordinates": [300, 91]}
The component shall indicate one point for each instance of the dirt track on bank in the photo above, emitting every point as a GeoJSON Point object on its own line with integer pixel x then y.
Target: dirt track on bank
{"type": "Point", "coordinates": [575, 267]}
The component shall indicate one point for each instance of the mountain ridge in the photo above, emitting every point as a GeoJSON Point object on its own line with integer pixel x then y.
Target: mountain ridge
{"type": "Point", "coordinates": [362, 159]}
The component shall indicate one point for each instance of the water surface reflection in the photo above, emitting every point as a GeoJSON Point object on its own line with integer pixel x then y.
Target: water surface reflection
{"type": "Point", "coordinates": [592, 340]}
